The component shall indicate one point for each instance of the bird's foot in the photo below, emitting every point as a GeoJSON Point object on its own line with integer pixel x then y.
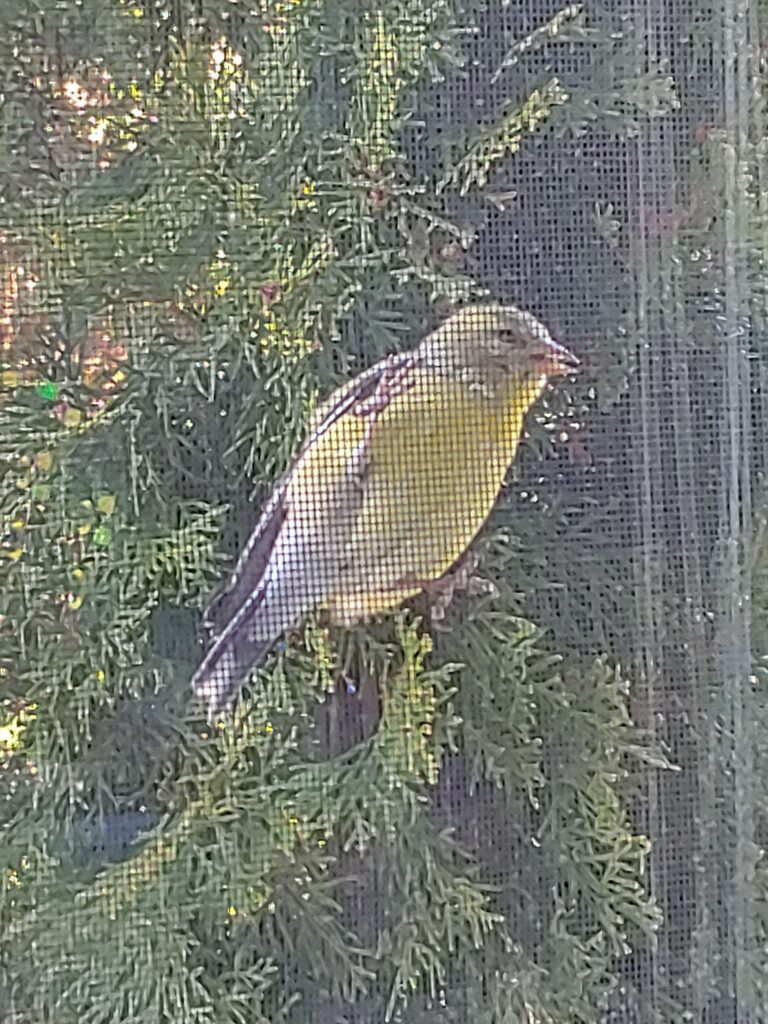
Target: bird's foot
{"type": "Point", "coordinates": [441, 592]}
{"type": "Point", "coordinates": [459, 578]}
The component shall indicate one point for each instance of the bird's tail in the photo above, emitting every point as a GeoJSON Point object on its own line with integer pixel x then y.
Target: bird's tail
{"type": "Point", "coordinates": [226, 666]}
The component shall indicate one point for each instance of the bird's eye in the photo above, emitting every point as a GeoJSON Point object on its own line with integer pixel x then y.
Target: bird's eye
{"type": "Point", "coordinates": [508, 336]}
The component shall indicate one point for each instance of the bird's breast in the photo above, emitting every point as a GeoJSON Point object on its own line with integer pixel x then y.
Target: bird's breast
{"type": "Point", "coordinates": [443, 434]}
{"type": "Point", "coordinates": [437, 460]}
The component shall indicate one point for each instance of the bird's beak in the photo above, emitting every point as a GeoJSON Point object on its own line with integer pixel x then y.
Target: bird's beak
{"type": "Point", "coordinates": [558, 360]}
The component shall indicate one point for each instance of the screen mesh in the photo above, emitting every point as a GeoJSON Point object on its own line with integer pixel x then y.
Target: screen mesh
{"type": "Point", "coordinates": [382, 421]}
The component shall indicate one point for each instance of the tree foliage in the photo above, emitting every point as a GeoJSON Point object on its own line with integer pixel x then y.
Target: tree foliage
{"type": "Point", "coordinates": [211, 216]}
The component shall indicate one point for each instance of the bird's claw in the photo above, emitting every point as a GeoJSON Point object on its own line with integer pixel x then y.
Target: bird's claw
{"type": "Point", "coordinates": [459, 577]}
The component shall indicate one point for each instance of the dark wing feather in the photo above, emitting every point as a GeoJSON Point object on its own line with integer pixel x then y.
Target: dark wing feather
{"type": "Point", "coordinates": [248, 572]}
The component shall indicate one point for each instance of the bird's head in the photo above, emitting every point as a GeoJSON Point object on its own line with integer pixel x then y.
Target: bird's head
{"type": "Point", "coordinates": [500, 341]}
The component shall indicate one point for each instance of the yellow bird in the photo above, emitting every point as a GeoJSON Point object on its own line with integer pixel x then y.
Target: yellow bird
{"type": "Point", "coordinates": [400, 469]}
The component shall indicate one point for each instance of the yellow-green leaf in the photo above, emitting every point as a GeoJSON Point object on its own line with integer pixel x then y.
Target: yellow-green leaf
{"type": "Point", "coordinates": [72, 417]}
{"type": "Point", "coordinates": [106, 504]}
{"type": "Point", "coordinates": [44, 461]}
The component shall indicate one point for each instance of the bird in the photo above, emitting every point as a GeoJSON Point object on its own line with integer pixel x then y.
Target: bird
{"type": "Point", "coordinates": [399, 471]}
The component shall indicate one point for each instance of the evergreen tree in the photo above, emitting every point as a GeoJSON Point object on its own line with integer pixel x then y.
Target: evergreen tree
{"type": "Point", "coordinates": [213, 214]}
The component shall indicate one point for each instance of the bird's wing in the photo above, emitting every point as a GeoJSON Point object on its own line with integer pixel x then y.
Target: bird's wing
{"type": "Point", "coordinates": [295, 554]}
{"type": "Point", "coordinates": [245, 580]}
